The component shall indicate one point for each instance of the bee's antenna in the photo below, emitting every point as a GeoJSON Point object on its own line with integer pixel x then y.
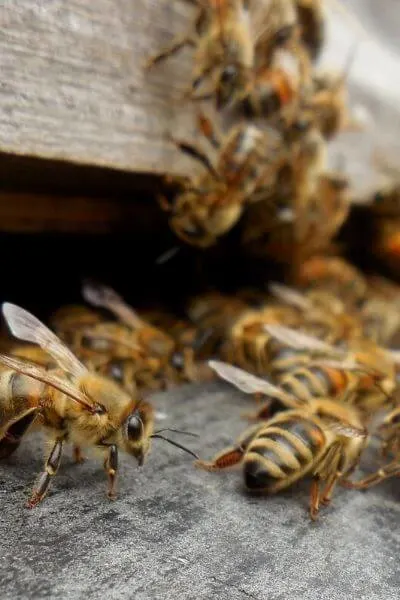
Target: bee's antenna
{"type": "Point", "coordinates": [177, 431]}
{"type": "Point", "coordinates": [160, 437]}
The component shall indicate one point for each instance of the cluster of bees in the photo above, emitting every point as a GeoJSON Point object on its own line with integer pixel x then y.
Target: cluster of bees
{"type": "Point", "coordinates": [319, 357]}
{"type": "Point", "coordinates": [273, 115]}
{"type": "Point", "coordinates": [318, 352]}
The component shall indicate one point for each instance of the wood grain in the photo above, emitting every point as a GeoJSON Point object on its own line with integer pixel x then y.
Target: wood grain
{"type": "Point", "coordinates": [73, 87]}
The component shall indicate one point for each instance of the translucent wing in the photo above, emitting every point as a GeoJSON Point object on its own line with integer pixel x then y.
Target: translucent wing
{"type": "Point", "coordinates": [343, 365]}
{"type": "Point", "coordinates": [290, 296]}
{"type": "Point", "coordinates": [301, 341]}
{"type": "Point", "coordinates": [34, 371]}
{"type": "Point", "coordinates": [248, 383]}
{"type": "Point", "coordinates": [105, 297]}
{"type": "Point", "coordinates": [344, 429]}
{"type": "Point", "coordinates": [24, 326]}
{"type": "Point", "coordinates": [113, 338]}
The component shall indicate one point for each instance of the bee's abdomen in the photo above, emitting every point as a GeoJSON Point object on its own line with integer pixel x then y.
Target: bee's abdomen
{"type": "Point", "coordinates": [18, 395]}
{"type": "Point", "coordinates": [279, 452]}
{"type": "Point", "coordinates": [304, 384]}
{"type": "Point", "coordinates": [284, 360]}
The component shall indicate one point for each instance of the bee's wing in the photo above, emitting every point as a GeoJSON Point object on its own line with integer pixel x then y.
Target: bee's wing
{"type": "Point", "coordinates": [105, 297]}
{"type": "Point", "coordinates": [38, 373]}
{"type": "Point", "coordinates": [110, 337]}
{"type": "Point", "coordinates": [248, 383]}
{"type": "Point", "coordinates": [342, 365]}
{"type": "Point", "coordinates": [345, 429]}
{"type": "Point", "coordinates": [25, 326]}
{"type": "Point", "coordinates": [301, 341]}
{"type": "Point", "coordinates": [290, 296]}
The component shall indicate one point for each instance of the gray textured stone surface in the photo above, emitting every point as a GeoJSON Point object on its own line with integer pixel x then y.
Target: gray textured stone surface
{"type": "Point", "coordinates": [176, 532]}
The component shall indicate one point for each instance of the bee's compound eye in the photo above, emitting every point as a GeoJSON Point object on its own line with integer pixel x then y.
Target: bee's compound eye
{"type": "Point", "coordinates": [134, 427]}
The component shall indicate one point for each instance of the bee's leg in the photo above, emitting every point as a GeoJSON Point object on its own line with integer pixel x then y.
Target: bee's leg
{"type": "Point", "coordinates": [50, 469]}
{"type": "Point", "coordinates": [315, 497]}
{"type": "Point", "coordinates": [329, 487]}
{"type": "Point", "coordinates": [77, 455]}
{"type": "Point", "coordinates": [195, 153]}
{"type": "Point", "coordinates": [111, 468]}
{"type": "Point", "coordinates": [328, 470]}
{"type": "Point", "coordinates": [227, 458]}
{"type": "Point", "coordinates": [209, 130]}
{"type": "Point", "coordinates": [176, 45]}
{"type": "Point", "coordinates": [391, 470]}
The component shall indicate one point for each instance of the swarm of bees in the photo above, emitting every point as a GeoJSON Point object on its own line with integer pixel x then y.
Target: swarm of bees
{"type": "Point", "coordinates": [256, 61]}
{"type": "Point", "coordinates": [318, 351]}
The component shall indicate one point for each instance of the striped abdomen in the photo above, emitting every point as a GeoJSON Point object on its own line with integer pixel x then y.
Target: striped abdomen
{"type": "Point", "coordinates": [284, 360]}
{"type": "Point", "coordinates": [281, 453]}
{"type": "Point", "coordinates": [18, 403]}
{"type": "Point", "coordinates": [19, 394]}
{"type": "Point", "coordinates": [314, 381]}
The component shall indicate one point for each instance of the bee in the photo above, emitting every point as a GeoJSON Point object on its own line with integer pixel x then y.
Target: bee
{"type": "Point", "coordinates": [288, 235]}
{"type": "Point", "coordinates": [230, 39]}
{"type": "Point", "coordinates": [72, 403]}
{"type": "Point", "coordinates": [139, 351]}
{"type": "Point", "coordinates": [329, 103]}
{"type": "Point", "coordinates": [322, 438]}
{"type": "Point", "coordinates": [211, 203]}
{"type": "Point", "coordinates": [336, 275]}
{"type": "Point", "coordinates": [364, 369]}
{"type": "Point", "coordinates": [248, 344]}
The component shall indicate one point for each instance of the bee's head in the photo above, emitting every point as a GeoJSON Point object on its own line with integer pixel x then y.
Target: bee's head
{"type": "Point", "coordinates": [137, 431]}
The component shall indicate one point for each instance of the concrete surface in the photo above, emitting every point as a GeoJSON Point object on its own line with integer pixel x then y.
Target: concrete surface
{"type": "Point", "coordinates": [177, 532]}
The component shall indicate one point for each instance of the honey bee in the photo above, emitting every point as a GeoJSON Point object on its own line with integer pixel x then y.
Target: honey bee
{"type": "Point", "coordinates": [322, 438]}
{"type": "Point", "coordinates": [329, 103]}
{"type": "Point", "coordinates": [294, 197]}
{"type": "Point", "coordinates": [364, 369]}
{"type": "Point", "coordinates": [230, 39]}
{"type": "Point", "coordinates": [136, 351]}
{"type": "Point", "coordinates": [248, 344]}
{"type": "Point", "coordinates": [72, 403]}
{"type": "Point", "coordinates": [210, 204]}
